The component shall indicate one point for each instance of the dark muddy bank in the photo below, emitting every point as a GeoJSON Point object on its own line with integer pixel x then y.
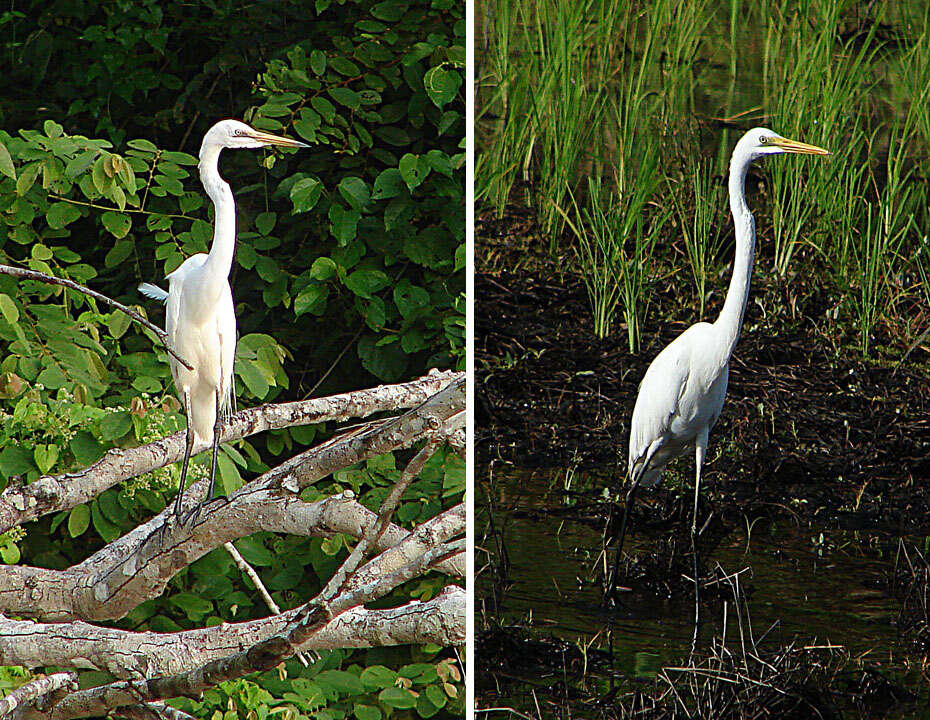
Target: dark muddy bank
{"type": "Point", "coordinates": [806, 421]}
{"type": "Point", "coordinates": [811, 437]}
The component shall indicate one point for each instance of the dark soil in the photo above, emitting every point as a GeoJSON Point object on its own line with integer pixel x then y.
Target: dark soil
{"type": "Point", "coordinates": [806, 423]}
{"type": "Point", "coordinates": [809, 430]}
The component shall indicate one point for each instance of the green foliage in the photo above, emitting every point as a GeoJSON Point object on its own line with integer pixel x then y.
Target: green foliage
{"type": "Point", "coordinates": [349, 270]}
{"type": "Point", "coordinates": [685, 80]}
{"type": "Point", "coordinates": [334, 688]}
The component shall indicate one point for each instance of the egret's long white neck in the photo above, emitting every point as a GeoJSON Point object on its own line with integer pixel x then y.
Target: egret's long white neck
{"type": "Point", "coordinates": [220, 258]}
{"type": "Point", "coordinates": [731, 317]}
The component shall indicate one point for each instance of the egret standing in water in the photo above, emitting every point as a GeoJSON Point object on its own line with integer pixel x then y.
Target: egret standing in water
{"type": "Point", "coordinates": [682, 393]}
{"type": "Point", "coordinates": [200, 318]}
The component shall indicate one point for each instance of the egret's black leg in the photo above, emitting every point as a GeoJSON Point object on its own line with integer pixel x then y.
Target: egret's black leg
{"type": "Point", "coordinates": [195, 513]}
{"type": "Point", "coordinates": [612, 579]}
{"type": "Point", "coordinates": [188, 448]}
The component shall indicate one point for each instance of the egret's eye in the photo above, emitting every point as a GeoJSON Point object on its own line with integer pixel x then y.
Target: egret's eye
{"type": "Point", "coordinates": [763, 140]}
{"type": "Point", "coordinates": [237, 132]}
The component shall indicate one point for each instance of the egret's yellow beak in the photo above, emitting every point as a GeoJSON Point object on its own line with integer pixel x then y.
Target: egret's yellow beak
{"type": "Point", "coordinates": [270, 139]}
{"type": "Point", "coordinates": [794, 146]}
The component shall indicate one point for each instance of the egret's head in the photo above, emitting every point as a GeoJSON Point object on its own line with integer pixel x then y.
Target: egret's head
{"type": "Point", "coordinates": [759, 142]}
{"type": "Point", "coordinates": [235, 134]}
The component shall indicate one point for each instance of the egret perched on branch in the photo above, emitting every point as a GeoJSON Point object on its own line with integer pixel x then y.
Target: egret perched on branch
{"type": "Point", "coordinates": [200, 318]}
{"type": "Point", "coordinates": [681, 395]}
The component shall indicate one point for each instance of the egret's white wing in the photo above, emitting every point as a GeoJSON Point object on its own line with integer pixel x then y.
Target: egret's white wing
{"type": "Point", "coordinates": [670, 394]}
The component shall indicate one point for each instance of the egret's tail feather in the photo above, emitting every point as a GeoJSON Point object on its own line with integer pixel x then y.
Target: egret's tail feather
{"type": "Point", "coordinates": [154, 292]}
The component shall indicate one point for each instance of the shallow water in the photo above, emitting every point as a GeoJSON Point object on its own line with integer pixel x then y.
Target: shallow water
{"type": "Point", "coordinates": [804, 584]}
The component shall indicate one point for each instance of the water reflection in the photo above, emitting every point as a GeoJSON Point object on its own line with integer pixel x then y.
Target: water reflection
{"type": "Point", "coordinates": [812, 585]}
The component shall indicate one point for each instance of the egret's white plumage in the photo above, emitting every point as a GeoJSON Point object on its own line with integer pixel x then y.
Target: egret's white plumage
{"type": "Point", "coordinates": [682, 392]}
{"type": "Point", "coordinates": [200, 318]}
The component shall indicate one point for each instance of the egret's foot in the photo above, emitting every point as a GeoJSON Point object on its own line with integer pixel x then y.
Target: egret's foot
{"type": "Point", "coordinates": [191, 518]}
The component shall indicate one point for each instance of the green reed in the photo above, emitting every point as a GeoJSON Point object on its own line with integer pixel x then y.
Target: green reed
{"type": "Point", "coordinates": [812, 80]}
{"type": "Point", "coordinates": [699, 222]}
{"type": "Point", "coordinates": [579, 90]}
{"type": "Point", "coordinates": [888, 222]}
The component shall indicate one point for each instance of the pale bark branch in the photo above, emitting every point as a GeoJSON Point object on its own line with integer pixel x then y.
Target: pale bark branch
{"type": "Point", "coordinates": [250, 573]}
{"type": "Point", "coordinates": [129, 655]}
{"type": "Point", "coordinates": [35, 691]}
{"type": "Point", "coordinates": [139, 565]}
{"type": "Point", "coordinates": [376, 528]}
{"type": "Point", "coordinates": [24, 274]}
{"type": "Point", "coordinates": [261, 657]}
{"type": "Point", "coordinates": [151, 711]}
{"type": "Point", "coordinates": [22, 503]}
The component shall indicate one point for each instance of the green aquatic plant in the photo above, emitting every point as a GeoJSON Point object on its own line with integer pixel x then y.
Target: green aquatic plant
{"type": "Point", "coordinates": [698, 221]}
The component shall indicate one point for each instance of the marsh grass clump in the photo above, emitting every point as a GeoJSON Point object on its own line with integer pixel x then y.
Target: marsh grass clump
{"type": "Point", "coordinates": [739, 683]}
{"type": "Point", "coordinates": [910, 581]}
{"type": "Point", "coordinates": [644, 100]}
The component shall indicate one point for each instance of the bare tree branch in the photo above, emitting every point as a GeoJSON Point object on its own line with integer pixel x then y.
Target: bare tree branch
{"type": "Point", "coordinates": [21, 503]}
{"type": "Point", "coordinates": [261, 657]}
{"type": "Point", "coordinates": [36, 690]}
{"type": "Point", "coordinates": [127, 654]}
{"type": "Point", "coordinates": [151, 711]}
{"type": "Point", "coordinates": [138, 565]}
{"type": "Point", "coordinates": [25, 274]}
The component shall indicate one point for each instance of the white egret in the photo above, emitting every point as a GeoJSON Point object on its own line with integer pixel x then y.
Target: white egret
{"type": "Point", "coordinates": [682, 392]}
{"type": "Point", "coordinates": [200, 318]}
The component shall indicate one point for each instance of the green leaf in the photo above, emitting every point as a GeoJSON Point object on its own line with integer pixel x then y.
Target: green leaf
{"type": "Point", "coordinates": [413, 170]}
{"type": "Point", "coordinates": [10, 553]}
{"type": "Point", "coordinates": [228, 473]}
{"type": "Point", "coordinates": [118, 323]}
{"type": "Point", "coordinates": [410, 299]}
{"type": "Point", "coordinates": [27, 178]}
{"type": "Point", "coordinates": [194, 606]}
{"type": "Point", "coordinates": [346, 96]}
{"type": "Point", "coordinates": [144, 145]}
{"type": "Point", "coordinates": [390, 11]}
{"type": "Point", "coordinates": [78, 520]}
{"type": "Point", "coordinates": [441, 85]}
{"type": "Point", "coordinates": [317, 62]}
{"type": "Point", "coordinates": [264, 223]}
{"type": "Point", "coordinates": [8, 309]}
{"type": "Point", "coordinates": [119, 252]}
{"type": "Point", "coordinates": [118, 224]}
{"type": "Point", "coordinates": [253, 378]}
{"type": "Point", "coordinates": [344, 67]}
{"type": "Point", "coordinates": [324, 107]}
{"type": "Point", "coordinates": [61, 214]}
{"type": "Point", "coordinates": [377, 677]}
{"type": "Point", "coordinates": [398, 698]}
{"type": "Point", "coordinates": [345, 683]}
{"type": "Point", "coordinates": [105, 529]}
{"type": "Point", "coordinates": [355, 191]}
{"type": "Point", "coordinates": [179, 158]}
{"type": "Point", "coordinates": [305, 193]}
{"type": "Point", "coordinates": [312, 299]}
{"type": "Point", "coordinates": [254, 551]}
{"type": "Point", "coordinates": [115, 425]}
{"type": "Point", "coordinates": [14, 460]}
{"type": "Point", "coordinates": [365, 283]}
{"type": "Point", "coordinates": [366, 712]}
{"type": "Point", "coordinates": [6, 162]}
{"type": "Point", "coordinates": [323, 268]}
{"type": "Point", "coordinates": [388, 184]}
{"type": "Point", "coordinates": [385, 362]}
{"type": "Point", "coordinates": [344, 223]}
{"type": "Point", "coordinates": [45, 456]}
